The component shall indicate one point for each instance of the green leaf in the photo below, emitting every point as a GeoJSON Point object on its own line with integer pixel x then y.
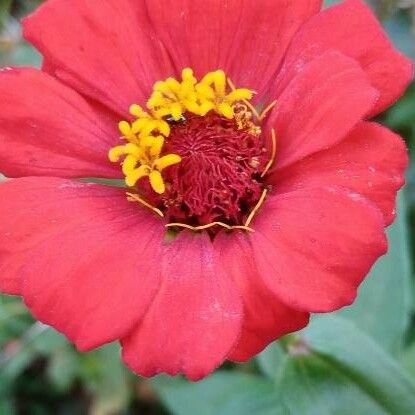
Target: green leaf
{"type": "Point", "coordinates": [401, 115]}
{"type": "Point", "coordinates": [38, 340]}
{"type": "Point", "coordinates": [48, 342]}
{"type": "Point", "coordinates": [359, 358]}
{"type": "Point", "coordinates": [63, 368]}
{"type": "Point", "coordinates": [400, 31]}
{"type": "Point", "coordinates": [6, 406]}
{"type": "Point", "coordinates": [270, 361]}
{"type": "Point", "coordinates": [383, 306]}
{"type": "Point", "coordinates": [311, 386]}
{"type": "Point", "coordinates": [5, 6]}
{"type": "Point", "coordinates": [23, 55]}
{"type": "Point", "coordinates": [107, 379]}
{"type": "Point", "coordinates": [223, 393]}
{"type": "Point", "coordinates": [408, 360]}
{"type": "Point", "coordinates": [328, 3]}
{"type": "Point", "coordinates": [24, 351]}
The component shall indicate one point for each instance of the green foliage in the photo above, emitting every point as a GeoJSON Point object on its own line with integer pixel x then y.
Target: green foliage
{"type": "Point", "coordinates": [223, 393]}
{"type": "Point", "coordinates": [330, 368]}
{"type": "Point", "coordinates": [363, 361]}
{"type": "Point", "coordinates": [384, 304]}
{"type": "Point", "coordinates": [360, 360]}
{"type": "Point", "coordinates": [311, 386]}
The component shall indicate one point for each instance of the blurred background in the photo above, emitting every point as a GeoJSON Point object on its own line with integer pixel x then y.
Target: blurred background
{"type": "Point", "coordinates": [360, 360]}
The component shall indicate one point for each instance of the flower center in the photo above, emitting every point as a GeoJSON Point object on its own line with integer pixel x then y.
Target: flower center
{"type": "Point", "coordinates": [197, 155]}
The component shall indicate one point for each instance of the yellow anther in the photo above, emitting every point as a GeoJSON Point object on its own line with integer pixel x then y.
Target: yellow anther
{"type": "Point", "coordinates": [267, 110]}
{"type": "Point", "coordinates": [205, 92]}
{"type": "Point", "coordinates": [188, 76]}
{"type": "Point", "coordinates": [243, 119]}
{"type": "Point", "coordinates": [225, 109]}
{"type": "Point", "coordinates": [144, 161]}
{"type": "Point", "coordinates": [218, 79]}
{"type": "Point", "coordinates": [127, 130]}
{"type": "Point", "coordinates": [135, 175]}
{"type": "Point", "coordinates": [212, 90]}
{"type": "Point", "coordinates": [151, 167]}
{"type": "Point", "coordinates": [158, 98]}
{"type": "Point", "coordinates": [117, 152]}
{"type": "Point", "coordinates": [153, 145]}
{"type": "Point", "coordinates": [157, 146]}
{"type": "Point", "coordinates": [176, 111]}
{"type": "Point", "coordinates": [143, 127]}
{"type": "Point", "coordinates": [240, 95]}
{"type": "Point", "coordinates": [132, 197]}
{"type": "Point", "coordinates": [129, 164]}
{"type": "Point", "coordinates": [173, 98]}
{"type": "Point", "coordinates": [273, 153]}
{"type": "Point", "coordinates": [208, 226]}
{"type": "Point", "coordinates": [138, 111]}
{"type": "Point", "coordinates": [167, 161]}
{"type": "Point", "coordinates": [205, 107]}
{"type": "Point", "coordinates": [157, 182]}
{"type": "Point", "coordinates": [173, 85]}
{"type": "Point", "coordinates": [256, 208]}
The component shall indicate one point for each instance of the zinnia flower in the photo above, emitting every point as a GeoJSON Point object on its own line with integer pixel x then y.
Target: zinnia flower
{"type": "Point", "coordinates": [256, 191]}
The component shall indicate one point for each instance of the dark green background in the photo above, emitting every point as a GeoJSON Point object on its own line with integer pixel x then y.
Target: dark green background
{"type": "Point", "coordinates": [359, 361]}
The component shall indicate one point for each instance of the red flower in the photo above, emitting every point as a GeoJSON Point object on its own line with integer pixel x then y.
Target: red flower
{"type": "Point", "coordinates": [99, 267]}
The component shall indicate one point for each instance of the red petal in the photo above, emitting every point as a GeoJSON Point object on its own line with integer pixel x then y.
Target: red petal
{"type": "Point", "coordinates": [320, 106]}
{"type": "Point", "coordinates": [370, 161]}
{"type": "Point", "coordinates": [48, 129]}
{"type": "Point", "coordinates": [246, 39]}
{"type": "Point", "coordinates": [314, 247]}
{"type": "Point", "coordinates": [352, 29]}
{"type": "Point", "coordinates": [195, 318]}
{"type": "Point", "coordinates": [107, 51]}
{"type": "Point", "coordinates": [266, 318]}
{"type": "Point", "coordinates": [82, 256]}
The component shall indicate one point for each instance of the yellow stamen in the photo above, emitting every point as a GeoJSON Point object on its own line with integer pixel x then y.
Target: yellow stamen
{"type": "Point", "coordinates": [137, 111]}
{"type": "Point", "coordinates": [256, 208]}
{"type": "Point", "coordinates": [129, 164]}
{"type": "Point", "coordinates": [224, 225]}
{"type": "Point", "coordinates": [166, 161]}
{"type": "Point", "coordinates": [209, 225]}
{"type": "Point", "coordinates": [174, 98]}
{"type": "Point", "coordinates": [135, 198]}
{"type": "Point", "coordinates": [127, 131]}
{"type": "Point", "coordinates": [133, 176]}
{"type": "Point", "coordinates": [273, 153]}
{"type": "Point", "coordinates": [252, 108]}
{"type": "Point", "coordinates": [157, 182]}
{"type": "Point", "coordinates": [205, 91]}
{"type": "Point", "coordinates": [117, 152]}
{"type": "Point", "coordinates": [225, 109]}
{"type": "Point", "coordinates": [218, 79]}
{"type": "Point", "coordinates": [156, 146]}
{"type": "Point", "coordinates": [212, 89]}
{"type": "Point", "coordinates": [265, 112]}
{"type": "Point", "coordinates": [231, 84]}
{"type": "Point", "coordinates": [239, 95]}
{"type": "Point", "coordinates": [243, 119]}
{"type": "Point", "coordinates": [245, 101]}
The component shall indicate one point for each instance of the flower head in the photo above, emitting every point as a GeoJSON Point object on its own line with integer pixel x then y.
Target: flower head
{"type": "Point", "coordinates": [255, 192]}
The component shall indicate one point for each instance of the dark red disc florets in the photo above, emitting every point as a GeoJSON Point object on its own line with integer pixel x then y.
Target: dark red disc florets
{"type": "Point", "coordinates": [219, 177]}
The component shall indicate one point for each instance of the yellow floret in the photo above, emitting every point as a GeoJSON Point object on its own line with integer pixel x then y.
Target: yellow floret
{"type": "Point", "coordinates": [212, 95]}
{"type": "Point", "coordinates": [174, 98]}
